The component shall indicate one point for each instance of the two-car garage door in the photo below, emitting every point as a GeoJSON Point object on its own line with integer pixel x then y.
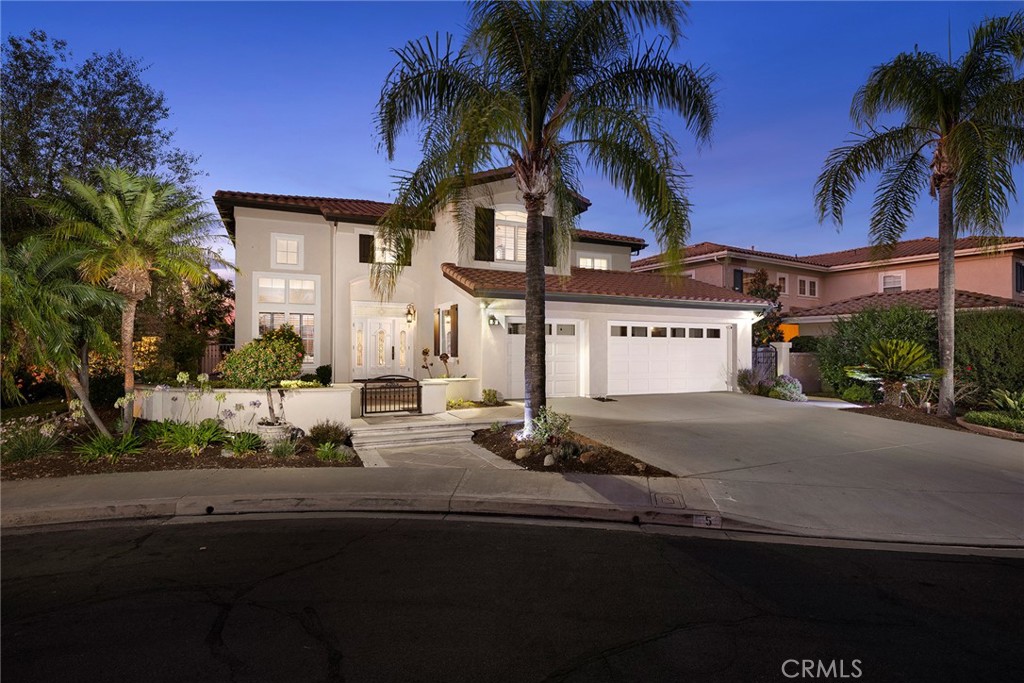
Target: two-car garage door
{"type": "Point", "coordinates": [661, 358]}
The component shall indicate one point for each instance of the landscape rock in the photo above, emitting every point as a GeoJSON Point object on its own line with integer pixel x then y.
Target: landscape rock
{"type": "Point", "coordinates": [522, 453]}
{"type": "Point", "coordinates": [640, 466]}
{"type": "Point", "coordinates": [587, 457]}
{"type": "Point", "coordinates": [549, 460]}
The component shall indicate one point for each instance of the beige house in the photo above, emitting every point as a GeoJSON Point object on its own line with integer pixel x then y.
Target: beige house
{"type": "Point", "coordinates": [306, 261]}
{"type": "Point", "coordinates": [816, 287]}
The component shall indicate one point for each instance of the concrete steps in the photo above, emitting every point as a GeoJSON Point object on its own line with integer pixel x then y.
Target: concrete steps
{"type": "Point", "coordinates": [409, 434]}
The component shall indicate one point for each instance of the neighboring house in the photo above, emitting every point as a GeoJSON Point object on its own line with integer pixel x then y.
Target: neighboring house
{"type": "Point", "coordinates": [306, 261]}
{"type": "Point", "coordinates": [995, 269]}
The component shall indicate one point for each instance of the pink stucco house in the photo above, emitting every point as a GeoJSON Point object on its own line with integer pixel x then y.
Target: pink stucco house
{"type": "Point", "coordinates": [819, 287]}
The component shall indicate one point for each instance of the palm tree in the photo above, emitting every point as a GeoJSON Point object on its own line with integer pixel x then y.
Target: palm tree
{"type": "Point", "coordinates": [47, 312]}
{"type": "Point", "coordinates": [543, 87]}
{"type": "Point", "coordinates": [968, 117]}
{"type": "Point", "coordinates": [132, 228]}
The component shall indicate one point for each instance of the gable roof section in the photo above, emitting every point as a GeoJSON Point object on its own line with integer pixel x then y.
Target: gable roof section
{"type": "Point", "coordinates": [331, 208]}
{"type": "Point", "coordinates": [602, 286]}
{"type": "Point", "coordinates": [594, 237]}
{"type": "Point", "coordinates": [707, 249]}
{"type": "Point", "coordinates": [924, 246]}
{"type": "Point", "coordinates": [925, 299]}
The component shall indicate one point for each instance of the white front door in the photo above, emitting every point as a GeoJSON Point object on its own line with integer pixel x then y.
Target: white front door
{"type": "Point", "coordinates": [561, 357]}
{"type": "Point", "coordinates": [381, 346]}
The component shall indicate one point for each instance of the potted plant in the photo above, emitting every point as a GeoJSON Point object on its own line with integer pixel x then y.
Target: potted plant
{"type": "Point", "coordinates": [262, 364]}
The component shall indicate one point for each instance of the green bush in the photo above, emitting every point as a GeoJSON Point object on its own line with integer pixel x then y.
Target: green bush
{"type": "Point", "coordinates": [244, 443]}
{"type": "Point", "coordinates": [329, 431]}
{"type": "Point", "coordinates": [28, 438]}
{"type": "Point", "coordinates": [804, 344]}
{"type": "Point", "coordinates": [284, 449]}
{"type": "Point", "coordinates": [787, 388]}
{"type": "Point", "coordinates": [490, 397]}
{"type": "Point", "coordinates": [550, 426]}
{"type": "Point", "coordinates": [193, 438]}
{"type": "Point", "coordinates": [754, 381]}
{"type": "Point", "coordinates": [990, 349]}
{"type": "Point", "coordinates": [851, 338]}
{"type": "Point", "coordinates": [309, 377]}
{"type": "Point", "coordinates": [331, 452]}
{"type": "Point", "coordinates": [859, 393]}
{"type": "Point", "coordinates": [261, 364]}
{"type": "Point", "coordinates": [567, 449]}
{"type": "Point", "coordinates": [113, 448]}
{"type": "Point", "coordinates": [1009, 402]}
{"type": "Point", "coordinates": [324, 374]}
{"type": "Point", "coordinates": [287, 334]}
{"type": "Point", "coordinates": [996, 419]}
{"type": "Point", "coordinates": [458, 404]}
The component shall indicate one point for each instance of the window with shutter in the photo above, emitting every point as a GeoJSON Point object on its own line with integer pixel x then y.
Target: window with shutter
{"type": "Point", "coordinates": [484, 243]}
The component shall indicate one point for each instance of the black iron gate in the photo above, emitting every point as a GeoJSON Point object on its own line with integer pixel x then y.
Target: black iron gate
{"type": "Point", "coordinates": [392, 394]}
{"type": "Point", "coordinates": [765, 361]}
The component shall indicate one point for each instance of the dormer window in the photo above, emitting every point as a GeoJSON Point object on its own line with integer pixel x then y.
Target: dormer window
{"type": "Point", "coordinates": [594, 262]}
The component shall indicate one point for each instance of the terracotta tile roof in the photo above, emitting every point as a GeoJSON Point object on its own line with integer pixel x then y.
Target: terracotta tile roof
{"type": "Point", "coordinates": [594, 236]}
{"type": "Point", "coordinates": [925, 299]}
{"type": "Point", "coordinates": [705, 248]}
{"type": "Point", "coordinates": [331, 208]}
{"type": "Point", "coordinates": [596, 283]}
{"type": "Point", "coordinates": [919, 247]}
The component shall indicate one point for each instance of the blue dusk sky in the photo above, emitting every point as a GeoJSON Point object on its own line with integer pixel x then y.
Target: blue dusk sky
{"type": "Point", "coordinates": [279, 97]}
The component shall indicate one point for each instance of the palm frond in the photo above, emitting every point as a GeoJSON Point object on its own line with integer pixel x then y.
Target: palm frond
{"type": "Point", "coordinates": [911, 83]}
{"type": "Point", "coordinates": [898, 191]}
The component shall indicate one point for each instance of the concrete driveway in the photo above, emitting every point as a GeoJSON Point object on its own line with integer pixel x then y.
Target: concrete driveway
{"type": "Point", "coordinates": [808, 469]}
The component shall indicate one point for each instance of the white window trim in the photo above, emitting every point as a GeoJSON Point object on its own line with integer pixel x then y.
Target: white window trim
{"type": "Point", "coordinates": [808, 280]}
{"type": "Point", "coordinates": [300, 239]}
{"type": "Point", "coordinates": [287, 308]}
{"type": "Point", "coordinates": [594, 255]}
{"type": "Point", "coordinates": [786, 276]}
{"type": "Point", "coordinates": [902, 274]}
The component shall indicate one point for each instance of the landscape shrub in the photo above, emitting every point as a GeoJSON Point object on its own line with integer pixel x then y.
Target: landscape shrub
{"type": "Point", "coordinates": [244, 443]}
{"type": "Point", "coordinates": [990, 349]}
{"type": "Point", "coordinates": [284, 449]}
{"type": "Point", "coordinates": [996, 419]}
{"type": "Point", "coordinates": [859, 393]}
{"type": "Point", "coordinates": [550, 426]}
{"type": "Point", "coordinates": [287, 334]}
{"type": "Point", "coordinates": [1009, 402]}
{"type": "Point", "coordinates": [332, 452]}
{"type": "Point", "coordinates": [193, 438]}
{"type": "Point", "coordinates": [894, 362]}
{"type": "Point", "coordinates": [329, 431]}
{"type": "Point", "coordinates": [301, 383]}
{"type": "Point", "coordinates": [787, 388]}
{"type": "Point", "coordinates": [754, 381]}
{"type": "Point", "coordinates": [30, 437]}
{"type": "Point", "coordinates": [567, 449]}
{"type": "Point", "coordinates": [804, 344]}
{"type": "Point", "coordinates": [311, 378]}
{"type": "Point", "coordinates": [490, 397]}
{"type": "Point", "coordinates": [113, 448]}
{"type": "Point", "coordinates": [851, 338]}
{"type": "Point", "coordinates": [260, 364]}
{"type": "Point", "coordinates": [458, 403]}
{"type": "Point", "coordinates": [324, 374]}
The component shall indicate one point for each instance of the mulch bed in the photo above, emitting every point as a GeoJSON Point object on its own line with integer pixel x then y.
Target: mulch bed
{"type": "Point", "coordinates": [152, 460]}
{"type": "Point", "coordinates": [908, 415]}
{"type": "Point", "coordinates": [604, 459]}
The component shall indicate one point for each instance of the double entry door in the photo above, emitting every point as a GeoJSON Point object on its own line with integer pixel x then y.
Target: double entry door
{"type": "Point", "coordinates": [381, 346]}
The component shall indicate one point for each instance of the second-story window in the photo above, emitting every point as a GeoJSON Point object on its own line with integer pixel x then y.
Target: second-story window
{"type": "Point", "coordinates": [510, 236]}
{"type": "Point", "coordinates": [807, 287]}
{"type": "Point", "coordinates": [891, 282]}
{"type": "Point", "coordinates": [782, 284]}
{"type": "Point", "coordinates": [286, 251]}
{"type": "Point", "coordinates": [593, 262]}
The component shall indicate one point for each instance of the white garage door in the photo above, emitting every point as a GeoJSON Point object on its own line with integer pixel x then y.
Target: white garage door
{"type": "Point", "coordinates": [660, 358]}
{"type": "Point", "coordinates": [562, 355]}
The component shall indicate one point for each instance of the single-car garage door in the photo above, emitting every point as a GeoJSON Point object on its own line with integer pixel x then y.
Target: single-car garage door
{"type": "Point", "coordinates": [660, 358]}
{"type": "Point", "coordinates": [562, 355]}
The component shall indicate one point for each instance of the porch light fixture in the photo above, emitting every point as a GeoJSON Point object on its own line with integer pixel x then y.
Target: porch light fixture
{"type": "Point", "coordinates": [410, 313]}
{"type": "Point", "coordinates": [492, 320]}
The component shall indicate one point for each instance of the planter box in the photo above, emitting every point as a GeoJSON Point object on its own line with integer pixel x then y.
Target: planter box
{"type": "Point", "coordinates": [302, 407]}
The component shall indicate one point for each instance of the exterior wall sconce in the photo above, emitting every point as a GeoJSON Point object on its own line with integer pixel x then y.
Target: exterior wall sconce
{"type": "Point", "coordinates": [492, 320]}
{"type": "Point", "coordinates": [410, 313]}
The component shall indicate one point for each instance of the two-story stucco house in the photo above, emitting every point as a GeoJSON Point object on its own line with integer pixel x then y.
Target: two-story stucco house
{"type": "Point", "coordinates": [306, 261]}
{"type": "Point", "coordinates": [815, 289]}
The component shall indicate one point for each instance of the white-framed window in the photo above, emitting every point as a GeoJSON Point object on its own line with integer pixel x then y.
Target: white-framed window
{"type": "Point", "coordinates": [291, 300]}
{"type": "Point", "coordinates": [510, 235]}
{"type": "Point", "coordinates": [286, 251]}
{"type": "Point", "coordinates": [383, 252]}
{"type": "Point", "coordinates": [783, 282]}
{"type": "Point", "coordinates": [891, 281]}
{"type": "Point", "coordinates": [807, 286]}
{"type": "Point", "coordinates": [593, 262]}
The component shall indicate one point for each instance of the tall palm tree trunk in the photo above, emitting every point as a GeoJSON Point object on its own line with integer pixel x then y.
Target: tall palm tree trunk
{"type": "Point", "coordinates": [536, 375]}
{"type": "Point", "coordinates": [128, 352]}
{"type": "Point", "coordinates": [947, 298]}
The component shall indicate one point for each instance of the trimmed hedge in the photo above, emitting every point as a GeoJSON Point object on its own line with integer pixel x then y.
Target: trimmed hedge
{"type": "Point", "coordinates": [996, 419]}
{"type": "Point", "coordinates": [990, 349]}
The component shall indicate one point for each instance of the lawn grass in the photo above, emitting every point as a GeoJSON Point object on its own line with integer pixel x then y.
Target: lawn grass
{"type": "Point", "coordinates": [44, 407]}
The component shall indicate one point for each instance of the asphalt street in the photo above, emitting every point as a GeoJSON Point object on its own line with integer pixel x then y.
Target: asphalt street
{"type": "Point", "coordinates": [424, 599]}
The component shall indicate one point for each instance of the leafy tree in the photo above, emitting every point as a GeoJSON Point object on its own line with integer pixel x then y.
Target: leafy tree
{"type": "Point", "coordinates": [186, 318]}
{"type": "Point", "coordinates": [544, 87]}
{"type": "Point", "coordinates": [61, 119]}
{"type": "Point", "coordinates": [132, 227]}
{"type": "Point", "coordinates": [767, 328]}
{"type": "Point", "coordinates": [967, 116]}
{"type": "Point", "coordinates": [46, 310]}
